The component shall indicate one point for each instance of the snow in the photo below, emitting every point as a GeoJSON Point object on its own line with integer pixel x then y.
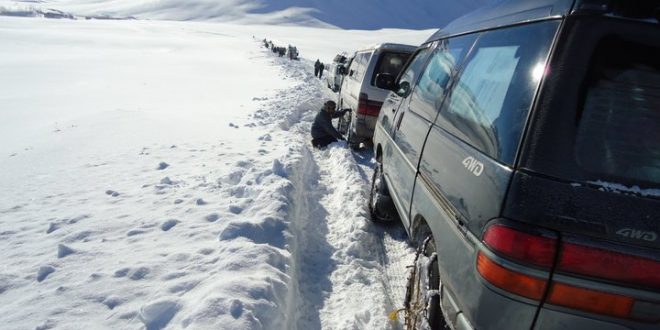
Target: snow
{"type": "Point", "coordinates": [159, 175]}
{"type": "Point", "coordinates": [620, 188]}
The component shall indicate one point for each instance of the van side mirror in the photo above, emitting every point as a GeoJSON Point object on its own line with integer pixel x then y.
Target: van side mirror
{"type": "Point", "coordinates": [385, 81]}
{"type": "Point", "coordinates": [402, 89]}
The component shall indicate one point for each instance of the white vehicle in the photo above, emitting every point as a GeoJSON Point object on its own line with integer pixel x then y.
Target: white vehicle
{"type": "Point", "coordinates": [358, 90]}
{"type": "Point", "coordinates": [335, 71]}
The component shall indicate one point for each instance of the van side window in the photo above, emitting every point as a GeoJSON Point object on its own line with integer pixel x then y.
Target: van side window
{"type": "Point", "coordinates": [409, 76]}
{"type": "Point", "coordinates": [489, 103]}
{"type": "Point", "coordinates": [430, 90]}
{"type": "Point", "coordinates": [360, 62]}
{"type": "Point", "coordinates": [618, 132]}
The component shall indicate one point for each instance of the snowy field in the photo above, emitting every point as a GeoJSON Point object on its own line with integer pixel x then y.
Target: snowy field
{"type": "Point", "coordinates": [159, 175]}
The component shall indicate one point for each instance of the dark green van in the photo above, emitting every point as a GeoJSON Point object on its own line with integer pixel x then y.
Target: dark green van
{"type": "Point", "coordinates": [520, 147]}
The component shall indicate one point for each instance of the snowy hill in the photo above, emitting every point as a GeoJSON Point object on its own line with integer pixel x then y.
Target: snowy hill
{"type": "Point", "coordinates": [358, 14]}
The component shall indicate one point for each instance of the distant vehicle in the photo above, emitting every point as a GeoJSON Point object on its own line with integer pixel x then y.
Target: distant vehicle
{"type": "Point", "coordinates": [335, 72]}
{"type": "Point", "coordinates": [359, 92]}
{"type": "Point", "coordinates": [292, 52]}
{"type": "Point", "coordinates": [520, 148]}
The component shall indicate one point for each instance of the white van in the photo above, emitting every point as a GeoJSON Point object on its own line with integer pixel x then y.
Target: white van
{"type": "Point", "coordinates": [334, 75]}
{"type": "Point", "coordinates": [358, 90]}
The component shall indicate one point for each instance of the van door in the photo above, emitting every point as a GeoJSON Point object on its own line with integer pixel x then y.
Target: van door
{"type": "Point", "coordinates": [404, 86]}
{"type": "Point", "coordinates": [468, 161]}
{"type": "Point", "coordinates": [416, 114]}
{"type": "Point", "coordinates": [354, 78]}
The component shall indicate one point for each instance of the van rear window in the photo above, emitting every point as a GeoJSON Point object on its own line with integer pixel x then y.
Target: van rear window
{"type": "Point", "coordinates": [618, 135]}
{"type": "Point", "coordinates": [391, 63]}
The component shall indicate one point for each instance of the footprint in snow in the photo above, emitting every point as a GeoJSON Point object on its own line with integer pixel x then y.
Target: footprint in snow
{"type": "Point", "coordinates": [112, 193]}
{"type": "Point", "coordinates": [212, 217]}
{"type": "Point", "coordinates": [139, 273]}
{"type": "Point", "coordinates": [44, 271]}
{"type": "Point", "coordinates": [135, 232]}
{"type": "Point", "coordinates": [167, 225]}
{"type": "Point", "coordinates": [235, 209]}
{"type": "Point", "coordinates": [200, 202]}
{"type": "Point", "coordinates": [233, 125]}
{"type": "Point", "coordinates": [163, 165]}
{"type": "Point", "coordinates": [112, 301]}
{"type": "Point", "coordinates": [178, 201]}
{"type": "Point", "coordinates": [63, 251]}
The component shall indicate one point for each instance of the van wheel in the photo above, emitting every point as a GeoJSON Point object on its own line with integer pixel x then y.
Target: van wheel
{"type": "Point", "coordinates": [342, 124]}
{"type": "Point", "coordinates": [422, 304]}
{"type": "Point", "coordinates": [381, 207]}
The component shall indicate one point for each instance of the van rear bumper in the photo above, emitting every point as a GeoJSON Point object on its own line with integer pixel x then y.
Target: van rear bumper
{"type": "Point", "coordinates": [551, 319]}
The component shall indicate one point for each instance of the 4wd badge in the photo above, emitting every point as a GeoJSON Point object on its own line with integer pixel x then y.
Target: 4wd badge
{"type": "Point", "coordinates": [638, 234]}
{"type": "Point", "coordinates": [473, 165]}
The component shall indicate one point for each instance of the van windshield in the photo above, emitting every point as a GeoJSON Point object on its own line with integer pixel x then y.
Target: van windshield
{"type": "Point", "coordinates": [618, 135]}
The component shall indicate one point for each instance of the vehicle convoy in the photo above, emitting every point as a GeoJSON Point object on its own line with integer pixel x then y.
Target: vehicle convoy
{"type": "Point", "coordinates": [520, 148]}
{"type": "Point", "coordinates": [359, 92]}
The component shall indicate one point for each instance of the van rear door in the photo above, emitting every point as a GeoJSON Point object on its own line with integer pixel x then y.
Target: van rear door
{"type": "Point", "coordinates": [590, 170]}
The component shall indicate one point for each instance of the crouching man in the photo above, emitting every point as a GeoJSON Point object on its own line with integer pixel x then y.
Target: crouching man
{"type": "Point", "coordinates": [323, 133]}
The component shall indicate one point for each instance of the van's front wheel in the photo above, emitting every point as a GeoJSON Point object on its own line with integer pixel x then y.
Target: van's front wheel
{"type": "Point", "coordinates": [422, 292]}
{"type": "Point", "coordinates": [381, 207]}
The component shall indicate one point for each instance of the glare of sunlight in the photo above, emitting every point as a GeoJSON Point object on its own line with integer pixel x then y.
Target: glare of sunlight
{"type": "Point", "coordinates": [538, 71]}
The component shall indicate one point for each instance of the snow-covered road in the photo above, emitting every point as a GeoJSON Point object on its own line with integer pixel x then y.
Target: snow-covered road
{"type": "Point", "coordinates": [348, 272]}
{"type": "Point", "coordinates": [159, 175]}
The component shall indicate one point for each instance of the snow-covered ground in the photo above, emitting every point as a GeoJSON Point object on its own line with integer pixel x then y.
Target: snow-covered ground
{"type": "Point", "coordinates": [159, 175]}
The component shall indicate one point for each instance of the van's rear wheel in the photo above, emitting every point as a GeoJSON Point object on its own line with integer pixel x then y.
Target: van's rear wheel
{"type": "Point", "coordinates": [351, 136]}
{"type": "Point", "coordinates": [343, 123]}
{"type": "Point", "coordinates": [381, 207]}
{"type": "Point", "coordinates": [422, 296]}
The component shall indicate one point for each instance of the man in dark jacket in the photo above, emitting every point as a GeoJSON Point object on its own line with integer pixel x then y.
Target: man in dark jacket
{"type": "Point", "coordinates": [323, 133]}
{"type": "Point", "coordinates": [317, 65]}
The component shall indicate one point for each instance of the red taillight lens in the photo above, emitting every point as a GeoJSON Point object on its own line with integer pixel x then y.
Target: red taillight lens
{"type": "Point", "coordinates": [521, 246]}
{"type": "Point", "coordinates": [541, 250]}
{"type": "Point", "coordinates": [368, 107]}
{"type": "Point", "coordinates": [609, 265]}
{"type": "Point", "coordinates": [590, 300]}
{"type": "Point", "coordinates": [508, 280]}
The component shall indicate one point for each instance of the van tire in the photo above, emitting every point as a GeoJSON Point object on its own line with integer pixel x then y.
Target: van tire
{"type": "Point", "coordinates": [381, 207]}
{"type": "Point", "coordinates": [421, 281]}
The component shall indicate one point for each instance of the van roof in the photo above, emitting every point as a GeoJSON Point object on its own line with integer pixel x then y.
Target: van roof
{"type": "Point", "coordinates": [389, 46]}
{"type": "Point", "coordinates": [503, 13]}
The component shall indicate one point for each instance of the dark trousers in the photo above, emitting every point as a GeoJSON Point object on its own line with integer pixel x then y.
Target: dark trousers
{"type": "Point", "coordinates": [316, 72]}
{"type": "Point", "coordinates": [323, 141]}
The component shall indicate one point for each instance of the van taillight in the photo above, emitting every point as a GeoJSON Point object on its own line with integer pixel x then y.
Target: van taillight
{"type": "Point", "coordinates": [540, 250]}
{"type": "Point", "coordinates": [506, 279]}
{"type": "Point", "coordinates": [521, 246]}
{"type": "Point", "coordinates": [368, 107]}
{"type": "Point", "coordinates": [609, 265]}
